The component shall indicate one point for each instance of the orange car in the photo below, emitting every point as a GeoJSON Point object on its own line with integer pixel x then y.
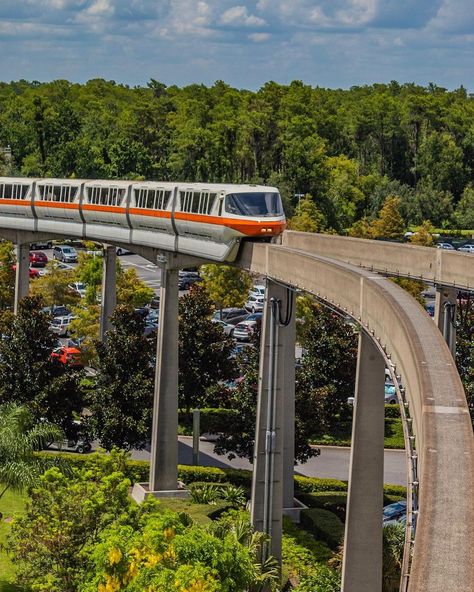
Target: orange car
{"type": "Point", "coordinates": [68, 355]}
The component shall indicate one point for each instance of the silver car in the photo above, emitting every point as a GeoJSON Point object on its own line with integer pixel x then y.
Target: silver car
{"type": "Point", "coordinates": [467, 249]}
{"type": "Point", "coordinates": [65, 253]}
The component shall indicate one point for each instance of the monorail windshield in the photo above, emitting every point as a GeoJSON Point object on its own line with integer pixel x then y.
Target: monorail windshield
{"type": "Point", "coordinates": [254, 204]}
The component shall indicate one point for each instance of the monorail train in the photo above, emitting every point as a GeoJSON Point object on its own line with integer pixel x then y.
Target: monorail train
{"type": "Point", "coordinates": [205, 220]}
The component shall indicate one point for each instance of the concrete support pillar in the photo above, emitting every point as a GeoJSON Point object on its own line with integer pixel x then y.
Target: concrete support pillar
{"type": "Point", "coordinates": [445, 315]}
{"type": "Point", "coordinates": [109, 290]}
{"type": "Point", "coordinates": [164, 437]}
{"type": "Point", "coordinates": [288, 337]}
{"type": "Point", "coordinates": [362, 563]}
{"type": "Point", "coordinates": [267, 477]}
{"type": "Point", "coordinates": [22, 277]}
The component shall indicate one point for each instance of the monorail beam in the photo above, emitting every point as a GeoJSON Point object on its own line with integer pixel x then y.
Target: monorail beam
{"type": "Point", "coordinates": [164, 437]}
{"type": "Point", "coordinates": [362, 563]}
{"type": "Point", "coordinates": [22, 274]}
{"type": "Point", "coordinates": [109, 290]}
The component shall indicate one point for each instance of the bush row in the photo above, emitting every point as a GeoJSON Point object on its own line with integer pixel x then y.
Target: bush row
{"type": "Point", "coordinates": [138, 471]}
{"type": "Point", "coordinates": [323, 525]}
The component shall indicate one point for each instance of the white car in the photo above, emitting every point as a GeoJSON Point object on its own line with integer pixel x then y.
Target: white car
{"type": "Point", "coordinates": [255, 303]}
{"type": "Point", "coordinates": [257, 290]}
{"type": "Point", "coordinates": [228, 329]}
{"type": "Point", "coordinates": [60, 325]}
{"type": "Point", "coordinates": [78, 287]}
{"type": "Point", "coordinates": [446, 246]}
{"type": "Point", "coordinates": [467, 249]}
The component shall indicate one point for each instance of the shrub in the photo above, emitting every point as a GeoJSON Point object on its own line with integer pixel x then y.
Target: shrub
{"type": "Point", "coordinates": [324, 525]}
{"type": "Point", "coordinates": [323, 579]}
{"type": "Point", "coordinates": [392, 411]}
{"type": "Point", "coordinates": [204, 493]}
{"type": "Point", "coordinates": [312, 484]}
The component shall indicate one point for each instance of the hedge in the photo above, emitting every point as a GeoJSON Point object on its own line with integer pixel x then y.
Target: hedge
{"type": "Point", "coordinates": [138, 470]}
{"type": "Point", "coordinates": [323, 525]}
{"type": "Point", "coordinates": [212, 421]}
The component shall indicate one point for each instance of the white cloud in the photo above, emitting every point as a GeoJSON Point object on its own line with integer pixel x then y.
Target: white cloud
{"type": "Point", "coordinates": [259, 37]}
{"type": "Point", "coordinates": [239, 15]}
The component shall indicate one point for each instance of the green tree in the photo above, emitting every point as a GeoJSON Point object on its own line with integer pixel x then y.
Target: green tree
{"type": "Point", "coordinates": [29, 375]}
{"type": "Point", "coordinates": [204, 350]}
{"type": "Point", "coordinates": [307, 216]}
{"type": "Point", "coordinates": [344, 193]}
{"type": "Point", "coordinates": [226, 286]}
{"type": "Point", "coordinates": [89, 271]}
{"type": "Point", "coordinates": [121, 401]}
{"type": "Point", "coordinates": [131, 290]}
{"type": "Point", "coordinates": [21, 435]}
{"type": "Point", "coordinates": [464, 212]}
{"type": "Point", "coordinates": [52, 542]}
{"type": "Point", "coordinates": [53, 287]}
{"type": "Point", "coordinates": [7, 275]}
{"type": "Point", "coordinates": [423, 235]}
{"type": "Point", "coordinates": [390, 223]}
{"type": "Point", "coordinates": [85, 326]}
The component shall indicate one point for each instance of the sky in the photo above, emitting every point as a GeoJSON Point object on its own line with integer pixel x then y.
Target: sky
{"type": "Point", "coordinates": [329, 43]}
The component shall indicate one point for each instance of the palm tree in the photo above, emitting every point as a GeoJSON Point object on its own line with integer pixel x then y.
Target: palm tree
{"type": "Point", "coordinates": [20, 437]}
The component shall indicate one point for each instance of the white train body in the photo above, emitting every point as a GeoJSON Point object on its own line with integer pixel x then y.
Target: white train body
{"type": "Point", "coordinates": [201, 219]}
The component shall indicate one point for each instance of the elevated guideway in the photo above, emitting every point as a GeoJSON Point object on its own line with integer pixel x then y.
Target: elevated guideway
{"type": "Point", "coordinates": [443, 555]}
{"type": "Point", "coordinates": [439, 266]}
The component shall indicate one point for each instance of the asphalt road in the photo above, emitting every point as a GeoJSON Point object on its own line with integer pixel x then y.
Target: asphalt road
{"type": "Point", "coordinates": [333, 461]}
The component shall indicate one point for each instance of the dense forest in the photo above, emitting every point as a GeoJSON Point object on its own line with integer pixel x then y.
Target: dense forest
{"type": "Point", "coordinates": [348, 149]}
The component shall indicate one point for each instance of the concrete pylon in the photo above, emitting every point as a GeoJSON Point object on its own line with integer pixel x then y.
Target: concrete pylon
{"type": "Point", "coordinates": [445, 315]}
{"type": "Point", "coordinates": [267, 476]}
{"type": "Point", "coordinates": [288, 337]}
{"type": "Point", "coordinates": [109, 290]}
{"type": "Point", "coordinates": [22, 274]}
{"type": "Point", "coordinates": [164, 437]}
{"type": "Point", "coordinates": [362, 562]}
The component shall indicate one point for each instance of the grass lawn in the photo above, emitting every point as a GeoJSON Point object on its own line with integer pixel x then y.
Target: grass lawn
{"type": "Point", "coordinates": [10, 504]}
{"type": "Point", "coordinates": [393, 435]}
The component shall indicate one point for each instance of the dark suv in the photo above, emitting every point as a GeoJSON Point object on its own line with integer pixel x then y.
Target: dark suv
{"type": "Point", "coordinates": [187, 279]}
{"type": "Point", "coordinates": [232, 316]}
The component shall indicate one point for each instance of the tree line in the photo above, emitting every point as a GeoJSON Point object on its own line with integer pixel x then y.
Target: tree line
{"type": "Point", "coordinates": [348, 149]}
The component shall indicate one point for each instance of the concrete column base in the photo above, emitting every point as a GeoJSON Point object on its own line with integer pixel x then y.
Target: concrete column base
{"type": "Point", "coordinates": [141, 492]}
{"type": "Point", "coordinates": [294, 512]}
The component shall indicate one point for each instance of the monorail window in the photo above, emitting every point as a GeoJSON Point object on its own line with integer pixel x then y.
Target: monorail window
{"type": "Point", "coordinates": [105, 196]}
{"type": "Point", "coordinates": [152, 199]}
{"type": "Point", "coordinates": [197, 202]}
{"type": "Point", "coordinates": [253, 204]}
{"type": "Point", "coordinates": [58, 193]}
{"type": "Point", "coordinates": [13, 191]}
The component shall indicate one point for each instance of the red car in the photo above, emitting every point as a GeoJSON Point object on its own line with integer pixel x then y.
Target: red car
{"type": "Point", "coordinates": [68, 355]}
{"type": "Point", "coordinates": [38, 259]}
{"type": "Point", "coordinates": [34, 273]}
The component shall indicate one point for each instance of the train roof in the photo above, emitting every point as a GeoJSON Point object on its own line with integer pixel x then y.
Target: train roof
{"type": "Point", "coordinates": [228, 187]}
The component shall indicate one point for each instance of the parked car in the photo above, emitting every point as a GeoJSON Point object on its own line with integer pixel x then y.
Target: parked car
{"type": "Point", "coordinates": [255, 303]}
{"type": "Point", "coordinates": [38, 259]}
{"type": "Point", "coordinates": [79, 288]}
{"type": "Point", "coordinates": [390, 394]}
{"type": "Point", "coordinates": [245, 329]}
{"type": "Point", "coordinates": [467, 249]}
{"type": "Point", "coordinates": [41, 245]}
{"type": "Point", "coordinates": [121, 251]}
{"type": "Point", "coordinates": [430, 308]}
{"type": "Point", "coordinates": [232, 316]}
{"type": "Point", "coordinates": [155, 302]}
{"type": "Point", "coordinates": [257, 290]}
{"type": "Point", "coordinates": [69, 356]}
{"type": "Point", "coordinates": [65, 253]}
{"type": "Point", "coordinates": [395, 512]}
{"type": "Point", "coordinates": [446, 246]}
{"type": "Point", "coordinates": [57, 311]}
{"type": "Point", "coordinates": [33, 273]}
{"type": "Point", "coordinates": [226, 327]}
{"type": "Point", "coordinates": [187, 278]}
{"type": "Point", "coordinates": [150, 328]}
{"type": "Point", "coordinates": [60, 325]}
